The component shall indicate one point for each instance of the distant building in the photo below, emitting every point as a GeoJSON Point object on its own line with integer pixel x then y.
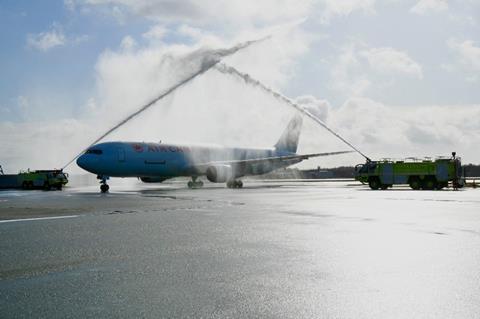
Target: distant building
{"type": "Point", "coordinates": [317, 173]}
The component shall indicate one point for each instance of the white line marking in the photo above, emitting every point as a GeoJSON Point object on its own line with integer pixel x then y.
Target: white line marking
{"type": "Point", "coordinates": [39, 218]}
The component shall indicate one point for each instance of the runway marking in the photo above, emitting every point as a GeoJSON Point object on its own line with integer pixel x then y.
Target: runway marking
{"type": "Point", "coordinates": [33, 219]}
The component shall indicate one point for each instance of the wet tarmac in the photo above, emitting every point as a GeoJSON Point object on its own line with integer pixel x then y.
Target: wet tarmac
{"type": "Point", "coordinates": [270, 250]}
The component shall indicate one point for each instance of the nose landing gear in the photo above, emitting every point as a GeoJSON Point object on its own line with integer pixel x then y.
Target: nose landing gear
{"type": "Point", "coordinates": [194, 184]}
{"type": "Point", "coordinates": [103, 181]}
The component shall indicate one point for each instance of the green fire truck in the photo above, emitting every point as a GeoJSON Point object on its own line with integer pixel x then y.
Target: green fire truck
{"type": "Point", "coordinates": [39, 179]}
{"type": "Point", "coordinates": [426, 174]}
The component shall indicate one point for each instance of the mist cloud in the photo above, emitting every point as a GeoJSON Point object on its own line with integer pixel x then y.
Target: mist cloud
{"type": "Point", "coordinates": [47, 40]}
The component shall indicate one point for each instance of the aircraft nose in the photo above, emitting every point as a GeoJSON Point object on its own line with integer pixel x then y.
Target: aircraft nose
{"type": "Point", "coordinates": [82, 162]}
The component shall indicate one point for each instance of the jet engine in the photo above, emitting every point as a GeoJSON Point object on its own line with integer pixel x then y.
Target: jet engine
{"type": "Point", "coordinates": [152, 179]}
{"type": "Point", "coordinates": [219, 173]}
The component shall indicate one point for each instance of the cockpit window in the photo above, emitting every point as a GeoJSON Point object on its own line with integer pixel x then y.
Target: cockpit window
{"type": "Point", "coordinates": [94, 151]}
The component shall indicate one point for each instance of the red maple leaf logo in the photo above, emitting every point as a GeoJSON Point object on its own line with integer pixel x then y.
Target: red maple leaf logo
{"type": "Point", "coordinates": [137, 147]}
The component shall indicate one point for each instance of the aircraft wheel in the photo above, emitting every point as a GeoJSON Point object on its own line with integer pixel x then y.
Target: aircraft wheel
{"type": "Point", "coordinates": [104, 188]}
{"type": "Point", "coordinates": [234, 184]}
{"type": "Point", "coordinates": [192, 184]}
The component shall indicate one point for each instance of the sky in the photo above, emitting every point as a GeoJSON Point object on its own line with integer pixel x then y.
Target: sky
{"type": "Point", "coordinates": [396, 78]}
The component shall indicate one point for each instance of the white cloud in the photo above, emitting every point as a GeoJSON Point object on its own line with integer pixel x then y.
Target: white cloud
{"type": "Point", "coordinates": [24, 144]}
{"type": "Point", "coordinates": [70, 4]}
{"type": "Point", "coordinates": [191, 32]}
{"type": "Point", "coordinates": [426, 6]}
{"type": "Point", "coordinates": [389, 60]}
{"type": "Point", "coordinates": [232, 12]}
{"type": "Point", "coordinates": [47, 40]}
{"type": "Point", "coordinates": [333, 8]}
{"type": "Point", "coordinates": [79, 39]}
{"type": "Point", "coordinates": [203, 12]}
{"type": "Point", "coordinates": [398, 131]}
{"type": "Point", "coordinates": [128, 43]}
{"type": "Point", "coordinates": [467, 52]}
{"type": "Point", "coordinates": [318, 107]}
{"type": "Point", "coordinates": [357, 68]}
{"type": "Point", "coordinates": [157, 32]}
{"type": "Point", "coordinates": [347, 74]}
{"type": "Point", "coordinates": [466, 59]}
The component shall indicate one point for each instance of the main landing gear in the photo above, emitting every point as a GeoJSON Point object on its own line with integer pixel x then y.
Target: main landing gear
{"type": "Point", "coordinates": [103, 181]}
{"type": "Point", "coordinates": [194, 184]}
{"type": "Point", "coordinates": [233, 183]}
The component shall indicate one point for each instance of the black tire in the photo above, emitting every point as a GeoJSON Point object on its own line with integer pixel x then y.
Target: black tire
{"type": "Point", "coordinates": [415, 183]}
{"type": "Point", "coordinates": [104, 188]}
{"type": "Point", "coordinates": [441, 185]}
{"type": "Point", "coordinates": [238, 184]}
{"type": "Point", "coordinates": [190, 184]}
{"type": "Point", "coordinates": [374, 183]}
{"type": "Point", "coordinates": [384, 187]}
{"type": "Point", "coordinates": [59, 187]}
{"type": "Point", "coordinates": [25, 185]}
{"type": "Point", "coordinates": [46, 186]}
{"type": "Point", "coordinates": [429, 183]}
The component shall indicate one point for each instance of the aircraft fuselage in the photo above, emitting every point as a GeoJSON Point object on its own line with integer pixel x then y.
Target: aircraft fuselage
{"type": "Point", "coordinates": [138, 159]}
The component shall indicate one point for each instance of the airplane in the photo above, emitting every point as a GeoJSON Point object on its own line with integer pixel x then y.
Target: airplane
{"type": "Point", "coordinates": [157, 162]}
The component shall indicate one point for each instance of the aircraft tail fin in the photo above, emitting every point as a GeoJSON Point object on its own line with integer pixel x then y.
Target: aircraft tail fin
{"type": "Point", "coordinates": [288, 142]}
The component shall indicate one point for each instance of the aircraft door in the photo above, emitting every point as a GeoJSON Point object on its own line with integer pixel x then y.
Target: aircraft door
{"type": "Point", "coordinates": [121, 154]}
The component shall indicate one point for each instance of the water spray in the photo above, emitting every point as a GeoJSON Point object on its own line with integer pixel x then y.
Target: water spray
{"type": "Point", "coordinates": [210, 59]}
{"type": "Point", "coordinates": [225, 69]}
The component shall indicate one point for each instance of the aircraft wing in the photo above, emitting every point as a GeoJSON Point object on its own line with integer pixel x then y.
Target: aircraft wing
{"type": "Point", "coordinates": [271, 159]}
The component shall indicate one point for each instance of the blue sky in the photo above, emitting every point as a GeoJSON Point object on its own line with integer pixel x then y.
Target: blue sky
{"type": "Point", "coordinates": [63, 60]}
{"type": "Point", "coordinates": [65, 73]}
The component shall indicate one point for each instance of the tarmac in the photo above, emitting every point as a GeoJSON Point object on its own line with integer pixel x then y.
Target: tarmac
{"type": "Point", "coordinates": [274, 249]}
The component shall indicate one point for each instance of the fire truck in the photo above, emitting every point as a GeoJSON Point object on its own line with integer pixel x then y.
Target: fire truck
{"type": "Point", "coordinates": [39, 179]}
{"type": "Point", "coordinates": [425, 174]}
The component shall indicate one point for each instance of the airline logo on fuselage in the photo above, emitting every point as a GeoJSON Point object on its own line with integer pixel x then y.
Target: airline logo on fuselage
{"type": "Point", "coordinates": [157, 148]}
{"type": "Point", "coordinates": [137, 147]}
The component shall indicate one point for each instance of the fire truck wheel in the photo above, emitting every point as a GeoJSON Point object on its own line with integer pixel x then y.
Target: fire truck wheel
{"type": "Point", "coordinates": [374, 183]}
{"type": "Point", "coordinates": [429, 183]}
{"type": "Point", "coordinates": [415, 183]}
{"type": "Point", "coordinates": [441, 185]}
